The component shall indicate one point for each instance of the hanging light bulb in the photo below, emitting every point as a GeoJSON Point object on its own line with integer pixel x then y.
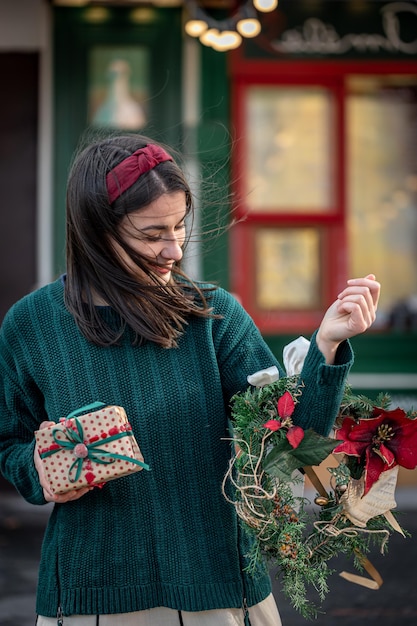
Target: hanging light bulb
{"type": "Point", "coordinates": [225, 34]}
{"type": "Point", "coordinates": [209, 36]}
{"type": "Point", "coordinates": [247, 24]}
{"type": "Point", "coordinates": [227, 40]}
{"type": "Point", "coordinates": [249, 27]}
{"type": "Point", "coordinates": [265, 6]}
{"type": "Point", "coordinates": [195, 27]}
{"type": "Point", "coordinates": [221, 41]}
{"type": "Point", "coordinates": [197, 24]}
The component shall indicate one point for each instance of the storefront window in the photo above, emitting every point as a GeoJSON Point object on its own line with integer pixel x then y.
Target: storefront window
{"type": "Point", "coordinates": [287, 268]}
{"type": "Point", "coordinates": [289, 152]}
{"type": "Point", "coordinates": [382, 190]}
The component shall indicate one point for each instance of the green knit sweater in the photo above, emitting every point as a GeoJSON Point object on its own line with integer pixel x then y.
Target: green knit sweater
{"type": "Point", "coordinates": [166, 537]}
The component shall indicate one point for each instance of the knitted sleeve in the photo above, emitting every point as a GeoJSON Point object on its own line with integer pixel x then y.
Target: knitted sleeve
{"type": "Point", "coordinates": [240, 348]}
{"type": "Point", "coordinates": [241, 351]}
{"type": "Point", "coordinates": [323, 387]}
{"type": "Point", "coordinates": [19, 403]}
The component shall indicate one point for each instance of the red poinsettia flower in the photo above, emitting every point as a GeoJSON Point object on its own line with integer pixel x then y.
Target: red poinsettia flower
{"type": "Point", "coordinates": [295, 435]}
{"type": "Point", "coordinates": [387, 439]}
{"type": "Point", "coordinates": [285, 408]}
{"type": "Point", "coordinates": [285, 405]}
{"type": "Point", "coordinates": [273, 425]}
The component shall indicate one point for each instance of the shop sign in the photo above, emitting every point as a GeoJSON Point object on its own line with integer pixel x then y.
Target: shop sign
{"type": "Point", "coordinates": [333, 29]}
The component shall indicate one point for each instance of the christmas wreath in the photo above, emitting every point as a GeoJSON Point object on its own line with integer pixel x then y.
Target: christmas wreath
{"type": "Point", "coordinates": [349, 517]}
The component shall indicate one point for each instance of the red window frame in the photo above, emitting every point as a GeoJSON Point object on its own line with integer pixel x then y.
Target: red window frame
{"type": "Point", "coordinates": [332, 223]}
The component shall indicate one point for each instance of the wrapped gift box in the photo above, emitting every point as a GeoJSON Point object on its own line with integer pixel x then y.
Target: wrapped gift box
{"type": "Point", "coordinates": [89, 449]}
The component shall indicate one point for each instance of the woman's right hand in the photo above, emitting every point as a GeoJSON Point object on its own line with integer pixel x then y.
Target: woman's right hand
{"type": "Point", "coordinates": [74, 494]}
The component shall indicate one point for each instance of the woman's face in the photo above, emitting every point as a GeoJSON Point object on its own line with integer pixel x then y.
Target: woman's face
{"type": "Point", "coordinates": [157, 233]}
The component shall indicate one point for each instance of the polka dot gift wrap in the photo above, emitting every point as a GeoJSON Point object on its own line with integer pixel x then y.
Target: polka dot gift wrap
{"type": "Point", "coordinates": [89, 449]}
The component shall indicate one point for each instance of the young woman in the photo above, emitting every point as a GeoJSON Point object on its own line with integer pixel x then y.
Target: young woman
{"type": "Point", "coordinates": [126, 327]}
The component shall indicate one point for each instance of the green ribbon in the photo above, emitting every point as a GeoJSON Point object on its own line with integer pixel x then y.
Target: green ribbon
{"type": "Point", "coordinates": [94, 453]}
{"type": "Point", "coordinates": [87, 408]}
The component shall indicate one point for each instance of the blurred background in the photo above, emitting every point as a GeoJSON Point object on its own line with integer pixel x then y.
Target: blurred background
{"type": "Point", "coordinates": [296, 120]}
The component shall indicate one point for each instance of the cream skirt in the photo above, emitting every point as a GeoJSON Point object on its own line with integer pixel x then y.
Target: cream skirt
{"type": "Point", "coordinates": [263, 614]}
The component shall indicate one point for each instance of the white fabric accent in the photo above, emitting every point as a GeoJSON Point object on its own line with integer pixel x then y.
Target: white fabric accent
{"type": "Point", "coordinates": [263, 614]}
{"type": "Point", "coordinates": [264, 377]}
{"type": "Point", "coordinates": [294, 355]}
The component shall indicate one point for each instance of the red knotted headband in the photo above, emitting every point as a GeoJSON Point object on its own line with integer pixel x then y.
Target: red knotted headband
{"type": "Point", "coordinates": [121, 177]}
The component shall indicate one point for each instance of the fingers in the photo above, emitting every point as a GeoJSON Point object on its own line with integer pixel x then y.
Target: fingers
{"type": "Point", "coordinates": [69, 496]}
{"type": "Point", "coordinates": [360, 300]}
{"type": "Point", "coordinates": [359, 317]}
{"type": "Point", "coordinates": [49, 496]}
{"type": "Point", "coordinates": [360, 305]}
{"type": "Point", "coordinates": [45, 425]}
{"type": "Point", "coordinates": [352, 313]}
{"type": "Point", "coordinates": [367, 285]}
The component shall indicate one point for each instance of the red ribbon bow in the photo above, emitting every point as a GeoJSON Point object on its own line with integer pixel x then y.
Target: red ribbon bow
{"type": "Point", "coordinates": [121, 177]}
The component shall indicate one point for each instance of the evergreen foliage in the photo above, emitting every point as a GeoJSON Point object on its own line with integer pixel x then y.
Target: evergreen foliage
{"type": "Point", "coordinates": [298, 539]}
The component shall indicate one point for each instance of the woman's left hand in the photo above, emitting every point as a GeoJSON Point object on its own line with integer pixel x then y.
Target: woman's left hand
{"type": "Point", "coordinates": [352, 313]}
{"type": "Point", "coordinates": [49, 496]}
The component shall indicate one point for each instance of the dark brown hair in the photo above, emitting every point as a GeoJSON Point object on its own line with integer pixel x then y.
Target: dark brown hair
{"type": "Point", "coordinates": [153, 311]}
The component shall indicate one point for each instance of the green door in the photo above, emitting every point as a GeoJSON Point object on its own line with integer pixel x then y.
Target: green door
{"type": "Point", "coordinates": [114, 69]}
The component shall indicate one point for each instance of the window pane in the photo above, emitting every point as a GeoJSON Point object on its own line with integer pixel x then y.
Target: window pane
{"type": "Point", "coordinates": [287, 268]}
{"type": "Point", "coordinates": [289, 154]}
{"type": "Point", "coordinates": [382, 162]}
